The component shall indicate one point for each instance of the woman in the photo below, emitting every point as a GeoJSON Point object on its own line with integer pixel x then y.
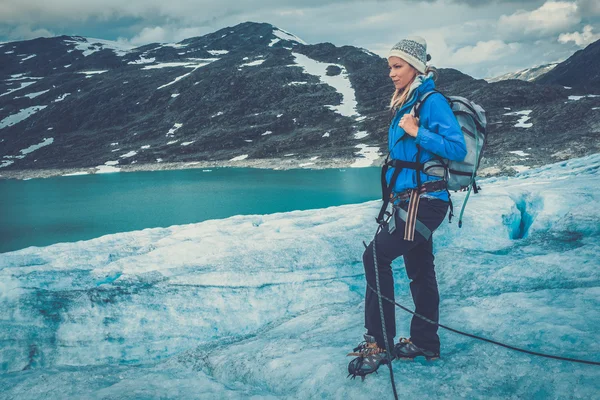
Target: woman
{"type": "Point", "coordinates": [434, 133]}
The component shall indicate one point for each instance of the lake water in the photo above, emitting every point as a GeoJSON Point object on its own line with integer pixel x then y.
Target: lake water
{"type": "Point", "coordinates": [40, 212]}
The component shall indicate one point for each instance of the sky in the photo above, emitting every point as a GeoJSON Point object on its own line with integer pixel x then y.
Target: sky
{"type": "Point", "coordinates": [481, 38]}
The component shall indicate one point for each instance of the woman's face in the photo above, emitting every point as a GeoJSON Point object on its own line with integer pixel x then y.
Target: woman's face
{"type": "Point", "coordinates": [401, 72]}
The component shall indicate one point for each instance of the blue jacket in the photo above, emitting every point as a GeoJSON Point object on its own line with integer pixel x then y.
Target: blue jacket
{"type": "Point", "coordinates": [439, 133]}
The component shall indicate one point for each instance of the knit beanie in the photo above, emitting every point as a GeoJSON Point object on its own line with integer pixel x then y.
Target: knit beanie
{"type": "Point", "coordinates": [413, 50]}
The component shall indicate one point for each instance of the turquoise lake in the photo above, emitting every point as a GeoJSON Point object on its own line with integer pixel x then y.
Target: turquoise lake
{"type": "Point", "coordinates": [40, 212]}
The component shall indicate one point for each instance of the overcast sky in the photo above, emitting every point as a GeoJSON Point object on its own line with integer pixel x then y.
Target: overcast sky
{"type": "Point", "coordinates": [481, 38]}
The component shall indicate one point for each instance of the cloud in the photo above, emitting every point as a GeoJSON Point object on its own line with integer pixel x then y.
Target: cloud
{"type": "Point", "coordinates": [581, 39]}
{"type": "Point", "coordinates": [164, 34]}
{"type": "Point", "coordinates": [551, 17]}
{"type": "Point", "coordinates": [491, 50]}
{"type": "Point", "coordinates": [25, 32]}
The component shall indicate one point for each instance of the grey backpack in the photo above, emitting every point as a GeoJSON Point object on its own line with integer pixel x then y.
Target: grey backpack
{"type": "Point", "coordinates": [460, 175]}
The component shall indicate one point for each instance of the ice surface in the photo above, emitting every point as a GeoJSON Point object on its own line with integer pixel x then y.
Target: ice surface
{"type": "Point", "coordinates": [267, 306]}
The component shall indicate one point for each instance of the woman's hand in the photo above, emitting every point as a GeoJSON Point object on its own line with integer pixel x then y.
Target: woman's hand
{"type": "Point", "coordinates": [410, 124]}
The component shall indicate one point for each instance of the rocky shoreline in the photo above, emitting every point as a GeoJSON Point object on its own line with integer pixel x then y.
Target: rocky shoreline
{"type": "Point", "coordinates": [267, 163]}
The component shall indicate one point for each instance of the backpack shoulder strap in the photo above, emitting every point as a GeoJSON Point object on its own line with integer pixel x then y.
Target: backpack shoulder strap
{"type": "Point", "coordinates": [421, 100]}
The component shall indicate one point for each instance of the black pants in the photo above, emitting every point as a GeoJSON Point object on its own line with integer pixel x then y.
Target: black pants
{"type": "Point", "coordinates": [418, 260]}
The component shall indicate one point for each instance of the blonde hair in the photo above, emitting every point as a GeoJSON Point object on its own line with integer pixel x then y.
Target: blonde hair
{"type": "Point", "coordinates": [400, 97]}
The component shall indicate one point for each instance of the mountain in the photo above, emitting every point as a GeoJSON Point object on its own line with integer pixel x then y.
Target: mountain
{"type": "Point", "coordinates": [528, 74]}
{"type": "Point", "coordinates": [248, 95]}
{"type": "Point", "coordinates": [582, 70]}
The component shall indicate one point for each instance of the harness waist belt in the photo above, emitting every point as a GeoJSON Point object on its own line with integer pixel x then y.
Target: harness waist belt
{"type": "Point", "coordinates": [432, 186]}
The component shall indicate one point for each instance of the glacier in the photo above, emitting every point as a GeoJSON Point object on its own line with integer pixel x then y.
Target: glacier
{"type": "Point", "coordinates": [268, 306]}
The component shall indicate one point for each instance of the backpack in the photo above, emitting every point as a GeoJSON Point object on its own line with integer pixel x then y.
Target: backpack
{"type": "Point", "coordinates": [460, 175]}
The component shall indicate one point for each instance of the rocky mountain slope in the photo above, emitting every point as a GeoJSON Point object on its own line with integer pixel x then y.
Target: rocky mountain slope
{"type": "Point", "coordinates": [250, 95]}
{"type": "Point", "coordinates": [528, 74]}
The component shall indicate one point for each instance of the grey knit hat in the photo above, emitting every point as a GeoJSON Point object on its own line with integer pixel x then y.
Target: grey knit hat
{"type": "Point", "coordinates": [413, 50]}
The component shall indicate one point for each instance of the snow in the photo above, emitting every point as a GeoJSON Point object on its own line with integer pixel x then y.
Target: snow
{"type": "Point", "coordinates": [575, 98]}
{"type": "Point", "coordinates": [274, 41]}
{"type": "Point", "coordinates": [61, 97]}
{"type": "Point", "coordinates": [326, 134]}
{"type": "Point", "coordinates": [195, 66]}
{"type": "Point", "coordinates": [519, 153]}
{"type": "Point", "coordinates": [367, 156]}
{"type": "Point", "coordinates": [89, 73]}
{"type": "Point", "coordinates": [522, 122]}
{"type": "Point", "coordinates": [36, 94]}
{"type": "Point", "coordinates": [174, 129]}
{"type": "Point", "coordinates": [34, 147]}
{"type": "Point", "coordinates": [248, 140]}
{"type": "Point", "coordinates": [20, 116]}
{"type": "Point", "coordinates": [111, 162]}
{"type": "Point", "coordinates": [268, 306]}
{"type": "Point", "coordinates": [175, 45]}
{"type": "Point", "coordinates": [187, 143]}
{"type": "Point", "coordinates": [279, 115]}
{"type": "Point", "coordinates": [174, 95]}
{"type": "Point", "coordinates": [195, 63]}
{"type": "Point", "coordinates": [289, 155]}
{"type": "Point", "coordinates": [143, 60]}
{"type": "Point", "coordinates": [114, 144]}
{"type": "Point", "coordinates": [266, 133]}
{"type": "Point", "coordinates": [146, 146]}
{"type": "Point", "coordinates": [76, 173]}
{"type": "Point", "coordinates": [360, 135]}
{"type": "Point", "coordinates": [306, 164]}
{"type": "Point", "coordinates": [239, 158]}
{"type": "Point", "coordinates": [6, 163]}
{"type": "Point", "coordinates": [217, 114]}
{"type": "Point", "coordinates": [91, 45]}
{"type": "Point", "coordinates": [295, 83]}
{"type": "Point", "coordinates": [22, 86]}
{"type": "Point", "coordinates": [314, 158]}
{"type": "Point", "coordinates": [253, 63]}
{"type": "Point", "coordinates": [340, 82]}
{"type": "Point", "coordinates": [218, 52]}
{"type": "Point", "coordinates": [520, 168]}
{"type": "Point", "coordinates": [129, 154]}
{"type": "Point", "coordinates": [106, 169]}
{"type": "Point", "coordinates": [28, 57]}
{"type": "Point", "coordinates": [172, 142]}
{"type": "Point", "coordinates": [283, 35]}
{"type": "Point", "coordinates": [159, 160]}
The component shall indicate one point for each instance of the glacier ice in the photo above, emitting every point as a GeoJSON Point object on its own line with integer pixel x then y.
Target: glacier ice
{"type": "Point", "coordinates": [267, 306]}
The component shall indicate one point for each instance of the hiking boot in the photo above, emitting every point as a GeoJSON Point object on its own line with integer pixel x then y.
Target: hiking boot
{"type": "Point", "coordinates": [369, 358]}
{"type": "Point", "coordinates": [407, 350]}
